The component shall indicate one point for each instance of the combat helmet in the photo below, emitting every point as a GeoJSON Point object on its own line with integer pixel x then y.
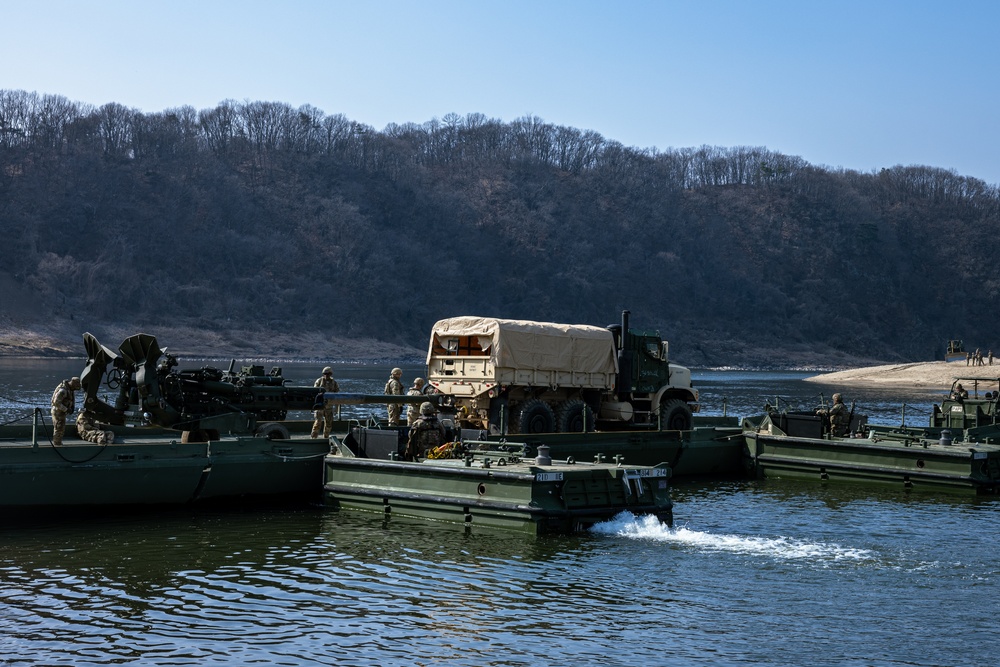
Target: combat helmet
{"type": "Point", "coordinates": [427, 408]}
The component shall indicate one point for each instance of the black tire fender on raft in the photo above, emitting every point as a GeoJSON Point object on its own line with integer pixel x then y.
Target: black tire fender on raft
{"type": "Point", "coordinates": [273, 431]}
{"type": "Point", "coordinates": [200, 435]}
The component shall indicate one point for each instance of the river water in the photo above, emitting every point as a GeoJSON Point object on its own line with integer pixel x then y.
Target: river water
{"type": "Point", "coordinates": [770, 573]}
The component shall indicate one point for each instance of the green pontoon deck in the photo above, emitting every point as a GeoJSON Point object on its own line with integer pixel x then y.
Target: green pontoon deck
{"type": "Point", "coordinates": [152, 466]}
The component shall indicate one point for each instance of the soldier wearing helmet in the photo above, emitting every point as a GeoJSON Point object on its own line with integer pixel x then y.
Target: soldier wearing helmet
{"type": "Point", "coordinates": [394, 387]}
{"type": "Point", "coordinates": [837, 417]}
{"type": "Point", "coordinates": [63, 405]}
{"type": "Point", "coordinates": [411, 409]}
{"type": "Point", "coordinates": [324, 416]}
{"type": "Point", "coordinates": [427, 433]}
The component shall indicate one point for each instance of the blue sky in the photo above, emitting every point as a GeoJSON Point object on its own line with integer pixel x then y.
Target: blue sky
{"type": "Point", "coordinates": [854, 84]}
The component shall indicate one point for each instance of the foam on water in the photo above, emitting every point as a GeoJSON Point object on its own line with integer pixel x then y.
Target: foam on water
{"type": "Point", "coordinates": [650, 528]}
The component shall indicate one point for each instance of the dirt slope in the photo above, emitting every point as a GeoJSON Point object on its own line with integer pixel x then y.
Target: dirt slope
{"type": "Point", "coordinates": [924, 374]}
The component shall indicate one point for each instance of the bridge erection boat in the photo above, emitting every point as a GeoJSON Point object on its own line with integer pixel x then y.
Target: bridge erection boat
{"type": "Point", "coordinates": [493, 485]}
{"type": "Point", "coordinates": [959, 450]}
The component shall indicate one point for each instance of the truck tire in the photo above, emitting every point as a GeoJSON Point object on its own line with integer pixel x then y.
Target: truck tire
{"type": "Point", "coordinates": [571, 416]}
{"type": "Point", "coordinates": [676, 415]}
{"type": "Point", "coordinates": [536, 416]}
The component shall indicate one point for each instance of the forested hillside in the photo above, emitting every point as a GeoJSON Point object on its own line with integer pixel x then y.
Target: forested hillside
{"type": "Point", "coordinates": [257, 219]}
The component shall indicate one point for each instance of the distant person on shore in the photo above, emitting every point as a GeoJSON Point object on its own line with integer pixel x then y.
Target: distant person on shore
{"type": "Point", "coordinates": [324, 416]}
{"type": "Point", "coordinates": [989, 355]}
{"type": "Point", "coordinates": [959, 393]}
{"type": "Point", "coordinates": [88, 429]}
{"type": "Point", "coordinates": [968, 358]}
{"type": "Point", "coordinates": [838, 418]}
{"type": "Point", "coordinates": [412, 409]}
{"type": "Point", "coordinates": [426, 434]}
{"type": "Point", "coordinates": [394, 388]}
{"type": "Point", "coordinates": [63, 405]}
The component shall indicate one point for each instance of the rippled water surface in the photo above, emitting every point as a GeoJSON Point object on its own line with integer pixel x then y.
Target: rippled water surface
{"type": "Point", "coordinates": [752, 573]}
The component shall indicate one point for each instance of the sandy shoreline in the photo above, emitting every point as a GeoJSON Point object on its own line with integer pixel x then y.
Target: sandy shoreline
{"type": "Point", "coordinates": [923, 374]}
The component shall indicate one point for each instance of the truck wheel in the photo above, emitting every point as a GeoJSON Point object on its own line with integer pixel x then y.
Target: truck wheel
{"type": "Point", "coordinates": [676, 415]}
{"type": "Point", "coordinates": [536, 416]}
{"type": "Point", "coordinates": [571, 416]}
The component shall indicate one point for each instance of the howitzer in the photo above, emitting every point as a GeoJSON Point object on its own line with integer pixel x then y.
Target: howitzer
{"type": "Point", "coordinates": [151, 391]}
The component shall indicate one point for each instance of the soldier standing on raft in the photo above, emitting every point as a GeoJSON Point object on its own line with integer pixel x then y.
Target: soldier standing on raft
{"type": "Point", "coordinates": [394, 388]}
{"type": "Point", "coordinates": [324, 416]}
{"type": "Point", "coordinates": [838, 416]}
{"type": "Point", "coordinates": [411, 409]}
{"type": "Point", "coordinates": [63, 405]}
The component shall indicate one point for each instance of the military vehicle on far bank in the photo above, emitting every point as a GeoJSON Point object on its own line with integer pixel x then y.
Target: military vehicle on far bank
{"type": "Point", "coordinates": [956, 351]}
{"type": "Point", "coordinates": [517, 376]}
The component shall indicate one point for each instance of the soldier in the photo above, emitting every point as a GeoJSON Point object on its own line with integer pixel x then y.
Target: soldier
{"type": "Point", "coordinates": [324, 416]}
{"type": "Point", "coordinates": [88, 429]}
{"type": "Point", "coordinates": [63, 404]}
{"type": "Point", "coordinates": [838, 418]}
{"type": "Point", "coordinates": [394, 388]}
{"type": "Point", "coordinates": [959, 393]}
{"type": "Point", "coordinates": [411, 408]}
{"type": "Point", "coordinates": [427, 433]}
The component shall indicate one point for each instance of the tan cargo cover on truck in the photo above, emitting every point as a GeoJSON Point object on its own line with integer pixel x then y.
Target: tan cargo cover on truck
{"type": "Point", "coordinates": [541, 346]}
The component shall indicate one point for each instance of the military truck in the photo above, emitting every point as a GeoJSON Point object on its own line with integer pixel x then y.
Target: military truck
{"type": "Point", "coordinates": [517, 376]}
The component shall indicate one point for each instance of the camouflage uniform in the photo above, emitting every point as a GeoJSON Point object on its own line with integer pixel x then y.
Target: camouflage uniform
{"type": "Point", "coordinates": [88, 430]}
{"type": "Point", "coordinates": [324, 417]}
{"type": "Point", "coordinates": [839, 416]}
{"type": "Point", "coordinates": [394, 388]}
{"type": "Point", "coordinates": [63, 405]}
{"type": "Point", "coordinates": [411, 409]}
{"type": "Point", "coordinates": [426, 433]}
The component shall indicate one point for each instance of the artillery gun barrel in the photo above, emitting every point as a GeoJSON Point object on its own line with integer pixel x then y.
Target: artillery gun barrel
{"type": "Point", "coordinates": [339, 398]}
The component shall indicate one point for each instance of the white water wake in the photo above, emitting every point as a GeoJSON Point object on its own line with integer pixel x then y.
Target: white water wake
{"type": "Point", "coordinates": [650, 528]}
